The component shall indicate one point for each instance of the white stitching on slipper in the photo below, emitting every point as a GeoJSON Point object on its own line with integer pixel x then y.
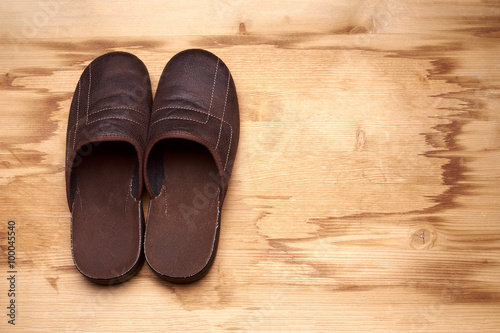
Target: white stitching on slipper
{"type": "Point", "coordinates": [223, 111]}
{"type": "Point", "coordinates": [88, 93]}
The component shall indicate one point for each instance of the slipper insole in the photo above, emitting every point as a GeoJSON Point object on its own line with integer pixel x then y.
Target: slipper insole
{"type": "Point", "coordinates": [106, 233]}
{"type": "Point", "coordinates": [183, 217]}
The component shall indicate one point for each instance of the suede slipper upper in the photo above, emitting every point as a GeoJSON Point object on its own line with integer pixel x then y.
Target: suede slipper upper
{"type": "Point", "coordinates": [106, 137]}
{"type": "Point", "coordinates": [192, 143]}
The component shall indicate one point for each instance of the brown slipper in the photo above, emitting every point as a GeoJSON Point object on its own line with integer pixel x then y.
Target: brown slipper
{"type": "Point", "coordinates": [192, 144]}
{"type": "Point", "coordinates": [107, 131]}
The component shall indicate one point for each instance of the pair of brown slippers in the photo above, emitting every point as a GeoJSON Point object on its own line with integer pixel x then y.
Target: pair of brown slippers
{"type": "Point", "coordinates": [181, 147]}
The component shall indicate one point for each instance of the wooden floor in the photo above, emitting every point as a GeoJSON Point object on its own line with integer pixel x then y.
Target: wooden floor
{"type": "Point", "coordinates": [366, 190]}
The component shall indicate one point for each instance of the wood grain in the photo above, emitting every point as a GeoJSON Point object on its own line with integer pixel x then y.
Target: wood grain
{"type": "Point", "coordinates": [366, 190]}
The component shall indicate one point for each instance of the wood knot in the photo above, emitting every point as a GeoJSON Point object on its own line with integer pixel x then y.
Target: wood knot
{"type": "Point", "coordinates": [53, 282]}
{"type": "Point", "coordinates": [360, 140]}
{"type": "Point", "coordinates": [242, 29]}
{"type": "Point", "coordinates": [423, 238]}
{"type": "Point", "coordinates": [423, 78]}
